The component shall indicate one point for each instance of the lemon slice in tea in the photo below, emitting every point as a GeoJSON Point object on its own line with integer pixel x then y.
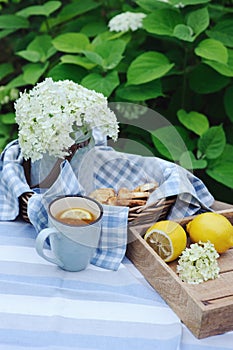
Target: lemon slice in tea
{"type": "Point", "coordinates": [76, 213]}
{"type": "Point", "coordinates": [167, 238]}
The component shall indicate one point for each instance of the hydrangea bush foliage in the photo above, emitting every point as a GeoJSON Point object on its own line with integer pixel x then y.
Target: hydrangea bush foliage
{"type": "Point", "coordinates": [173, 56]}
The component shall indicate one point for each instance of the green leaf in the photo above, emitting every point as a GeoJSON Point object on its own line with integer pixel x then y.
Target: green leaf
{"type": "Point", "coordinates": [111, 52]}
{"type": "Point", "coordinates": [5, 69]}
{"type": "Point", "coordinates": [8, 118]}
{"type": "Point", "coordinates": [162, 22]}
{"type": "Point", "coordinates": [94, 57]}
{"type": "Point", "coordinates": [194, 2]}
{"type": "Point", "coordinates": [151, 5]}
{"type": "Point", "coordinates": [226, 156]}
{"type": "Point", "coordinates": [51, 6]}
{"type": "Point", "coordinates": [108, 36]}
{"type": "Point", "coordinates": [189, 143]}
{"type": "Point", "coordinates": [104, 84]}
{"type": "Point", "coordinates": [3, 142]}
{"type": "Point", "coordinates": [33, 71]}
{"type": "Point", "coordinates": [13, 22]}
{"type": "Point", "coordinates": [43, 10]}
{"type": "Point", "coordinates": [221, 169]}
{"type": "Point", "coordinates": [4, 132]}
{"type": "Point", "coordinates": [194, 121]}
{"type": "Point", "coordinates": [228, 102]}
{"type": "Point", "coordinates": [78, 7]}
{"type": "Point", "coordinates": [224, 69]}
{"type": "Point", "coordinates": [72, 10]}
{"type": "Point", "coordinates": [39, 49]}
{"type": "Point", "coordinates": [205, 80]}
{"type": "Point", "coordinates": [43, 45]}
{"type": "Point", "coordinates": [148, 66]}
{"type": "Point", "coordinates": [211, 144]}
{"type": "Point", "coordinates": [94, 28]}
{"type": "Point", "coordinates": [141, 92]}
{"type": "Point", "coordinates": [212, 49]}
{"type": "Point", "coordinates": [221, 68]}
{"type": "Point", "coordinates": [6, 32]}
{"type": "Point", "coordinates": [16, 82]}
{"type": "Point", "coordinates": [223, 31]}
{"type": "Point", "coordinates": [198, 20]}
{"type": "Point", "coordinates": [183, 32]}
{"type": "Point", "coordinates": [67, 71]}
{"type": "Point", "coordinates": [79, 60]}
{"type": "Point", "coordinates": [168, 142]}
{"type": "Point", "coordinates": [31, 56]}
{"type": "Point", "coordinates": [71, 42]}
{"type": "Point", "coordinates": [189, 161]}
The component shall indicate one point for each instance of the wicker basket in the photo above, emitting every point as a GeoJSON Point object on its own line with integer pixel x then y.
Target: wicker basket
{"type": "Point", "coordinates": [23, 205]}
{"type": "Point", "coordinates": [137, 215]}
{"type": "Point", "coordinates": [152, 213]}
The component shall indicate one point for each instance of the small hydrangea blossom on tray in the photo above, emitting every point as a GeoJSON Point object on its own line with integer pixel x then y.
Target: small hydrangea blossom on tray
{"type": "Point", "coordinates": [198, 263]}
{"type": "Point", "coordinates": [50, 113]}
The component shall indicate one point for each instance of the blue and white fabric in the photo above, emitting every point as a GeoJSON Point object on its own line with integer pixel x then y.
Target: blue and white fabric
{"type": "Point", "coordinates": [102, 166]}
{"type": "Point", "coordinates": [45, 308]}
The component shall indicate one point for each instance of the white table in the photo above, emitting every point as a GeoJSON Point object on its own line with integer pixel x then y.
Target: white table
{"type": "Point", "coordinates": [44, 307]}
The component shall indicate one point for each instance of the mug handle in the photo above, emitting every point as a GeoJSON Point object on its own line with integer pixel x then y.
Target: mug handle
{"type": "Point", "coordinates": [40, 240]}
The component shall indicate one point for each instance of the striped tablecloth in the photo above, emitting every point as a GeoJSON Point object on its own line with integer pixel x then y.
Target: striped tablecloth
{"type": "Point", "coordinates": [44, 307]}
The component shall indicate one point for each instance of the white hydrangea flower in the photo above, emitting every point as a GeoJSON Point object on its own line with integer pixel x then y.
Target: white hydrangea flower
{"type": "Point", "coordinates": [198, 263]}
{"type": "Point", "coordinates": [48, 113]}
{"type": "Point", "coordinates": [126, 21]}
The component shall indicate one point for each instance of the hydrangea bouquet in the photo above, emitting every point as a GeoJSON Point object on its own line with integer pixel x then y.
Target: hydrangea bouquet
{"type": "Point", "coordinates": [50, 113]}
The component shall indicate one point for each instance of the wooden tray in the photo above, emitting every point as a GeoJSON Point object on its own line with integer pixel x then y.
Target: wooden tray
{"type": "Point", "coordinates": [207, 308]}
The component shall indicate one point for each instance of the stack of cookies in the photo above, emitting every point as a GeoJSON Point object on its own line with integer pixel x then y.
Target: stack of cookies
{"type": "Point", "coordinates": [125, 197]}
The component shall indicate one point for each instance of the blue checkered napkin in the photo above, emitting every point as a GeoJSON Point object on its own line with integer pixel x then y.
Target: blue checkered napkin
{"type": "Point", "coordinates": [12, 181]}
{"type": "Point", "coordinates": [192, 195]}
{"type": "Point", "coordinates": [108, 168]}
{"type": "Point", "coordinates": [112, 245]}
{"type": "Point", "coordinates": [65, 184]}
{"type": "Point", "coordinates": [113, 240]}
{"type": "Point", "coordinates": [104, 167]}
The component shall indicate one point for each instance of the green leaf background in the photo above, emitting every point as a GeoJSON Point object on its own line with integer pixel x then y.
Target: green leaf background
{"type": "Point", "coordinates": [179, 64]}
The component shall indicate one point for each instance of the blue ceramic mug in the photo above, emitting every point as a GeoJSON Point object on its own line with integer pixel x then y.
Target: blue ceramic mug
{"type": "Point", "coordinates": [72, 244]}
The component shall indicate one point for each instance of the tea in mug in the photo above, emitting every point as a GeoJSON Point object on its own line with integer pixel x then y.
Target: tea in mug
{"type": "Point", "coordinates": [75, 216]}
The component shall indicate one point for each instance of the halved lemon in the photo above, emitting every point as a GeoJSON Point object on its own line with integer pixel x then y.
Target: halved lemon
{"type": "Point", "coordinates": [76, 213]}
{"type": "Point", "coordinates": [167, 238]}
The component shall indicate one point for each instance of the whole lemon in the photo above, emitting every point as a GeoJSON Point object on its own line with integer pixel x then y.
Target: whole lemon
{"type": "Point", "coordinates": [167, 238]}
{"type": "Point", "coordinates": [213, 227]}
